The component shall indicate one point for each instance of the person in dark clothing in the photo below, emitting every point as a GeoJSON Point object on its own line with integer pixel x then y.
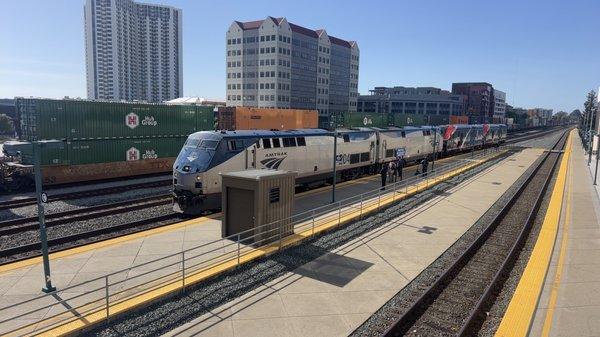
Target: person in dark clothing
{"type": "Point", "coordinates": [400, 167]}
{"type": "Point", "coordinates": [384, 174]}
{"type": "Point", "coordinates": [424, 166]}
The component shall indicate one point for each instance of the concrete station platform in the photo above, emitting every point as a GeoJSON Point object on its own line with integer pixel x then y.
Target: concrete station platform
{"type": "Point", "coordinates": [569, 302]}
{"type": "Point", "coordinates": [335, 293]}
{"type": "Point", "coordinates": [375, 266]}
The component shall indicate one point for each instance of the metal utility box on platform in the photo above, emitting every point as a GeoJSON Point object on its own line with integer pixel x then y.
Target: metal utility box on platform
{"type": "Point", "coordinates": [253, 198]}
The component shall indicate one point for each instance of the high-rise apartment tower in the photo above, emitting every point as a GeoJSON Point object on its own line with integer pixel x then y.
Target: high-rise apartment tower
{"type": "Point", "coordinates": [133, 51]}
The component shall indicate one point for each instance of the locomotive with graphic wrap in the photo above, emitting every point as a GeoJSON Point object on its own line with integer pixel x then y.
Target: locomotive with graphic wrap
{"type": "Point", "coordinates": [309, 152]}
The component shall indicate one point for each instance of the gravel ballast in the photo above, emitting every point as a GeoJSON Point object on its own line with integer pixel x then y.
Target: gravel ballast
{"type": "Point", "coordinates": [167, 314]}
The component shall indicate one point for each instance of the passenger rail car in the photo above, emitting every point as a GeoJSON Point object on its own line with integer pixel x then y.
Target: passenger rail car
{"type": "Point", "coordinates": [309, 152]}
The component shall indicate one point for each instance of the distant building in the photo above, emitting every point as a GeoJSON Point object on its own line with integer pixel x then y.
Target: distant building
{"type": "Point", "coordinates": [133, 51]}
{"type": "Point", "coordinates": [421, 100]}
{"type": "Point", "coordinates": [480, 100]}
{"type": "Point", "coordinates": [273, 63]}
{"type": "Point", "coordinates": [499, 106]}
{"type": "Point", "coordinates": [540, 114]}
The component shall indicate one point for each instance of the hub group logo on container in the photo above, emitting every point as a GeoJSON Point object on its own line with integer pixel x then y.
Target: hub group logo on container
{"type": "Point", "coordinates": [133, 154]}
{"type": "Point", "coordinates": [132, 120]}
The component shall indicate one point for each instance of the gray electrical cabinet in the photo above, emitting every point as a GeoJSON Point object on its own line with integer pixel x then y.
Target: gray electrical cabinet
{"type": "Point", "coordinates": [254, 198]}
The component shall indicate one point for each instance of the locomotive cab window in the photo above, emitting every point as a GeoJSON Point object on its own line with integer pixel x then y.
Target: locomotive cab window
{"type": "Point", "coordinates": [236, 145]}
{"type": "Point", "coordinates": [301, 141]}
{"type": "Point", "coordinates": [209, 144]}
{"type": "Point", "coordinates": [289, 142]}
{"type": "Point", "coordinates": [266, 143]}
{"type": "Point", "coordinates": [346, 138]}
{"type": "Point", "coordinates": [276, 142]}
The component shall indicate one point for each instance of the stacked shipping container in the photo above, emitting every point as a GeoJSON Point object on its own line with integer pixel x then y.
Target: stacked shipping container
{"type": "Point", "coordinates": [382, 120]}
{"type": "Point", "coordinates": [108, 139]}
{"type": "Point", "coordinates": [244, 118]}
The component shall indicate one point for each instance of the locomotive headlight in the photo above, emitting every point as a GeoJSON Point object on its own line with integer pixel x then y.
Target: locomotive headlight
{"type": "Point", "coordinates": [197, 178]}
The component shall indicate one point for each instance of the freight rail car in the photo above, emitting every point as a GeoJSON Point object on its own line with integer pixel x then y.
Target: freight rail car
{"type": "Point", "coordinates": [80, 161]}
{"type": "Point", "coordinates": [101, 139]}
{"type": "Point", "coordinates": [87, 120]}
{"type": "Point", "coordinates": [309, 152]}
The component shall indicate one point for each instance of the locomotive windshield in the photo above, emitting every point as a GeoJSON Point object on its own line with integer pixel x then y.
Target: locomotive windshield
{"type": "Point", "coordinates": [196, 154]}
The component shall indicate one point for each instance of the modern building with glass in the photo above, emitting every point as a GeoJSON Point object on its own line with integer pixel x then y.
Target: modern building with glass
{"type": "Point", "coordinates": [405, 100]}
{"type": "Point", "coordinates": [273, 63]}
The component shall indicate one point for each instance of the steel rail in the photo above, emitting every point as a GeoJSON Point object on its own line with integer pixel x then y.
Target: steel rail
{"type": "Point", "coordinates": [15, 226]}
{"type": "Point", "coordinates": [418, 307]}
{"type": "Point", "coordinates": [83, 194]}
{"type": "Point", "coordinates": [8, 252]}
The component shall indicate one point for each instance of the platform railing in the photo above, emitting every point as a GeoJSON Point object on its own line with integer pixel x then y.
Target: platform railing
{"type": "Point", "coordinates": [102, 297]}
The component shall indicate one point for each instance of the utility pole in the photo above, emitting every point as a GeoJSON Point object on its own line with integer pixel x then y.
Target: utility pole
{"type": "Point", "coordinates": [335, 134]}
{"type": "Point", "coordinates": [434, 148]}
{"type": "Point", "coordinates": [597, 156]}
{"type": "Point", "coordinates": [41, 199]}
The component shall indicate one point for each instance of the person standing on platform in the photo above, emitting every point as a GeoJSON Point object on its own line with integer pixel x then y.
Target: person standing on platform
{"type": "Point", "coordinates": [400, 166]}
{"type": "Point", "coordinates": [392, 172]}
{"type": "Point", "coordinates": [384, 173]}
{"type": "Point", "coordinates": [424, 166]}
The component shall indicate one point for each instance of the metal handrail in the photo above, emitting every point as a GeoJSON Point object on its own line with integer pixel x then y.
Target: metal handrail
{"type": "Point", "coordinates": [261, 236]}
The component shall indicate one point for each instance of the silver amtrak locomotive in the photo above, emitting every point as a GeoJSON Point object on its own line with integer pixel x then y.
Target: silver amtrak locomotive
{"type": "Point", "coordinates": [309, 152]}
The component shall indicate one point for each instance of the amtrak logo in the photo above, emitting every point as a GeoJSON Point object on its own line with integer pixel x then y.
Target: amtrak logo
{"type": "Point", "coordinates": [272, 163]}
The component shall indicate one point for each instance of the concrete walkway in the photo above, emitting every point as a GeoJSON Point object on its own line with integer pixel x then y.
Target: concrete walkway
{"type": "Point", "coordinates": [333, 294]}
{"type": "Point", "coordinates": [570, 301]}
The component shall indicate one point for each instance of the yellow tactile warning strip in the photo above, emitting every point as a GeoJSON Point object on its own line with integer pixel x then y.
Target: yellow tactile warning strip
{"type": "Point", "coordinates": [561, 260]}
{"type": "Point", "coordinates": [325, 222]}
{"type": "Point", "coordinates": [519, 314]}
{"type": "Point", "coordinates": [105, 243]}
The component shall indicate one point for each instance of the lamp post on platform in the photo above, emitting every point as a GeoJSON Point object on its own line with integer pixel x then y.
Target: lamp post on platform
{"type": "Point", "coordinates": [35, 148]}
{"type": "Point", "coordinates": [333, 125]}
{"type": "Point", "coordinates": [42, 198]}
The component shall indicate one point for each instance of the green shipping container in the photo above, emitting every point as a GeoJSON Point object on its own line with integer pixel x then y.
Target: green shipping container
{"type": "Point", "coordinates": [437, 119]}
{"type": "Point", "coordinates": [85, 120]}
{"type": "Point", "coordinates": [110, 150]}
{"type": "Point", "coordinates": [360, 119]}
{"type": "Point", "coordinates": [106, 151]}
{"type": "Point", "coordinates": [49, 156]}
{"type": "Point", "coordinates": [97, 120]}
{"type": "Point", "coordinates": [205, 118]}
{"type": "Point", "coordinates": [401, 120]}
{"type": "Point", "coordinates": [45, 117]}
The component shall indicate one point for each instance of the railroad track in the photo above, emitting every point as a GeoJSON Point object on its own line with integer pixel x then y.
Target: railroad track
{"type": "Point", "coordinates": [83, 194]}
{"type": "Point", "coordinates": [15, 226]}
{"type": "Point", "coordinates": [74, 240]}
{"type": "Point", "coordinates": [116, 189]}
{"type": "Point", "coordinates": [457, 302]}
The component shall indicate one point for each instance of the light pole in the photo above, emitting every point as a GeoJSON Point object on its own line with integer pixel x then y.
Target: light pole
{"type": "Point", "coordinates": [597, 156]}
{"type": "Point", "coordinates": [41, 199]}
{"type": "Point", "coordinates": [35, 148]}
{"type": "Point", "coordinates": [434, 149]}
{"type": "Point", "coordinates": [335, 134]}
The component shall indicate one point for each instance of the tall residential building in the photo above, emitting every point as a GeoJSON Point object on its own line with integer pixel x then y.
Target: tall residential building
{"type": "Point", "coordinates": [421, 101]}
{"type": "Point", "coordinates": [273, 63]}
{"type": "Point", "coordinates": [133, 51]}
{"type": "Point", "coordinates": [499, 106]}
{"type": "Point", "coordinates": [480, 100]}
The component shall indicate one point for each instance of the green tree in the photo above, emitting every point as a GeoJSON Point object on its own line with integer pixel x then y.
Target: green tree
{"type": "Point", "coordinates": [6, 125]}
{"type": "Point", "coordinates": [589, 110]}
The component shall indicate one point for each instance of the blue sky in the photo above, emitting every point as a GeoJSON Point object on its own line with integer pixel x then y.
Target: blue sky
{"type": "Point", "coordinates": [542, 53]}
